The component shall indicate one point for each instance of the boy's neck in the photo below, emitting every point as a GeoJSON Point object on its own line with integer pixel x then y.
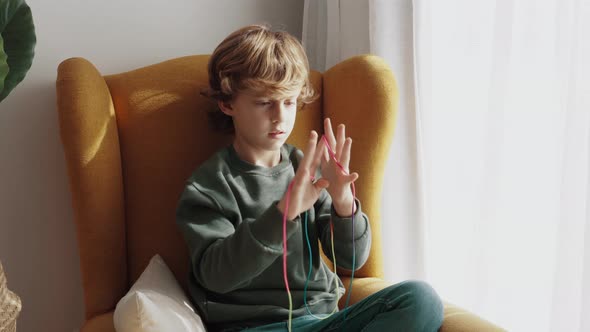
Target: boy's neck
{"type": "Point", "coordinates": [259, 158]}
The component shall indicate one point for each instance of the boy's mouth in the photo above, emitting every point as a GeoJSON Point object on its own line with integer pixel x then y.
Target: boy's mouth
{"type": "Point", "coordinates": [276, 134]}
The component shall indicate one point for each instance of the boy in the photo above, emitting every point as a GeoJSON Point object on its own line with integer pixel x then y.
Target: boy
{"type": "Point", "coordinates": [231, 212]}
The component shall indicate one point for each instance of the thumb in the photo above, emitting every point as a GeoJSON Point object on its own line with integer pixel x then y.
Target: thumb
{"type": "Point", "coordinates": [322, 184]}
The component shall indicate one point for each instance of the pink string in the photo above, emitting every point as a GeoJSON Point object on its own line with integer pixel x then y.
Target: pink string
{"type": "Point", "coordinates": [352, 223]}
{"type": "Point", "coordinates": [285, 238]}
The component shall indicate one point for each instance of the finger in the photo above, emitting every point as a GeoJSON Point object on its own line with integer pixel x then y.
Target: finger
{"type": "Point", "coordinates": [317, 158]}
{"type": "Point", "coordinates": [352, 177]}
{"type": "Point", "coordinates": [321, 184]}
{"type": "Point", "coordinates": [340, 141]}
{"type": "Point", "coordinates": [307, 160]}
{"type": "Point", "coordinates": [325, 160]}
{"type": "Point", "coordinates": [345, 157]}
{"type": "Point", "coordinates": [329, 133]}
{"type": "Point", "coordinates": [326, 153]}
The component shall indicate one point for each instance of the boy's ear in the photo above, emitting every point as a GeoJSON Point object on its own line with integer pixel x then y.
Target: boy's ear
{"type": "Point", "coordinates": [225, 107]}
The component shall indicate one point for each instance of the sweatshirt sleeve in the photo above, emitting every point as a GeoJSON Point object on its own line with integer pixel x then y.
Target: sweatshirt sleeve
{"type": "Point", "coordinates": [225, 257]}
{"type": "Point", "coordinates": [343, 233]}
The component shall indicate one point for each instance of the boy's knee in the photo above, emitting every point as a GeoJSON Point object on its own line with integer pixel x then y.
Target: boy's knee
{"type": "Point", "coordinates": [425, 304]}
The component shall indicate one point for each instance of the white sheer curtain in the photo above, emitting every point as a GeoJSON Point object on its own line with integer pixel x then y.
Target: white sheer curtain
{"type": "Point", "coordinates": [334, 30]}
{"type": "Point", "coordinates": [492, 164]}
{"type": "Point", "coordinates": [503, 122]}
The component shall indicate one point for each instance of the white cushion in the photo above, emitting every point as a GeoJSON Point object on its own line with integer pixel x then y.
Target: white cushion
{"type": "Point", "coordinates": [156, 302]}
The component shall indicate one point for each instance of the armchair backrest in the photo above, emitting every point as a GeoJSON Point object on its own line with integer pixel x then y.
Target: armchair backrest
{"type": "Point", "coordinates": [132, 139]}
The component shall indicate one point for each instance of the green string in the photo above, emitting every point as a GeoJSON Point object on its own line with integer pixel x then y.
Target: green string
{"type": "Point", "coordinates": [311, 266]}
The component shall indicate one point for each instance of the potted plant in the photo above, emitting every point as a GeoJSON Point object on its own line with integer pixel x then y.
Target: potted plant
{"type": "Point", "coordinates": [17, 44]}
{"type": "Point", "coordinates": [10, 305]}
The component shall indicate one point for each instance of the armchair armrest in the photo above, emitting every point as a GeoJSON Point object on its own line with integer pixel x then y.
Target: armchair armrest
{"type": "Point", "coordinates": [457, 319]}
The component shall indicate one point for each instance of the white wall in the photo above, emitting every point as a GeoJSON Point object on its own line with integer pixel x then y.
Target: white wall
{"type": "Point", "coordinates": [37, 237]}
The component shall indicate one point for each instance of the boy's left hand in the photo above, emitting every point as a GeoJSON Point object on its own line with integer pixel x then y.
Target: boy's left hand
{"type": "Point", "coordinates": [340, 181]}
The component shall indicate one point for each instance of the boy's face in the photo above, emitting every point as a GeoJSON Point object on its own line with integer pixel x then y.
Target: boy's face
{"type": "Point", "coordinates": [262, 123]}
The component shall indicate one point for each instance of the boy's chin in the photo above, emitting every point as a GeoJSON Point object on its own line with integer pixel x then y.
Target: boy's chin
{"type": "Point", "coordinates": [276, 145]}
{"type": "Point", "coordinates": [277, 140]}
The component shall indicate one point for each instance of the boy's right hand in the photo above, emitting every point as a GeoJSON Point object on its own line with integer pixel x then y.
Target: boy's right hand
{"type": "Point", "coordinates": [304, 192]}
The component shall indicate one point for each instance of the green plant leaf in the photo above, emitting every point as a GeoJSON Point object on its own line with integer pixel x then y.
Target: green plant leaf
{"type": "Point", "coordinates": [18, 32]}
{"type": "Point", "coordinates": [3, 64]}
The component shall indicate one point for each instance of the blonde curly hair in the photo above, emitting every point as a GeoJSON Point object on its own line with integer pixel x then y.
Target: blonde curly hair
{"type": "Point", "coordinates": [258, 59]}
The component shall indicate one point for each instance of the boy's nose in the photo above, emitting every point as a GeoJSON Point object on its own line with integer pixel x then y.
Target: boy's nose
{"type": "Point", "coordinates": [278, 112]}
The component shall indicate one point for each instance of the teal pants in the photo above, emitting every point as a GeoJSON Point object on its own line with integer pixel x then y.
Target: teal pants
{"type": "Point", "coordinates": [408, 306]}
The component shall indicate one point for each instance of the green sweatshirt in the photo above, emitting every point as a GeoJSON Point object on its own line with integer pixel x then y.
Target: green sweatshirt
{"type": "Point", "coordinates": [229, 218]}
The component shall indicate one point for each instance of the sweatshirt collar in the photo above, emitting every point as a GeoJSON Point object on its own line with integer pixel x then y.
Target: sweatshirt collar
{"type": "Point", "coordinates": [244, 166]}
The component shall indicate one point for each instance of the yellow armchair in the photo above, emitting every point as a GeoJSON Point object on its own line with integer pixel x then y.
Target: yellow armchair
{"type": "Point", "coordinates": [132, 139]}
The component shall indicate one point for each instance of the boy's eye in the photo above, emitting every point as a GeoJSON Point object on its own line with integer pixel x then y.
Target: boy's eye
{"type": "Point", "coordinates": [288, 102]}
